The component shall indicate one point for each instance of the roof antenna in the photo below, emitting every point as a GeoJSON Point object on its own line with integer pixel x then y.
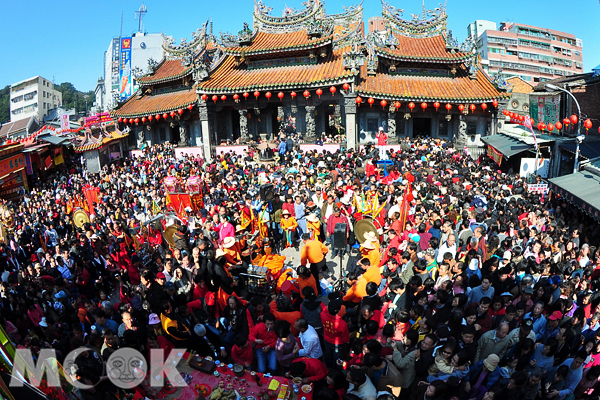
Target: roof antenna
{"type": "Point", "coordinates": [139, 15]}
{"type": "Point", "coordinates": [423, 9]}
{"type": "Point", "coordinates": [211, 27]}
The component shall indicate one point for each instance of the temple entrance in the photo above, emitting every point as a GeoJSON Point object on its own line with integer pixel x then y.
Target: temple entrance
{"type": "Point", "coordinates": [421, 127]}
{"type": "Point", "coordinates": [174, 134]}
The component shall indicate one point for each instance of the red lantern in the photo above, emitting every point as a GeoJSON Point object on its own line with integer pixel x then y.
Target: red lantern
{"type": "Point", "coordinates": [346, 86]}
{"type": "Point", "coordinates": [268, 96]}
{"type": "Point", "coordinates": [411, 105]}
{"type": "Point", "coordinates": [472, 107]}
{"type": "Point", "coordinates": [358, 100]}
{"type": "Point", "coordinates": [215, 98]}
{"type": "Point", "coordinates": [505, 112]}
{"type": "Point", "coordinates": [424, 106]}
{"type": "Point", "coordinates": [558, 125]}
{"type": "Point", "coordinates": [332, 90]}
{"type": "Point", "coordinates": [371, 101]}
{"type": "Point", "coordinates": [130, 121]}
{"type": "Point", "coordinates": [588, 124]}
{"type": "Point", "coordinates": [189, 107]}
{"type": "Point", "coordinates": [532, 121]}
{"type": "Point", "coordinates": [397, 105]}
{"type": "Point", "coordinates": [383, 103]}
{"type": "Point", "coordinates": [461, 107]}
{"type": "Point", "coordinates": [543, 126]}
{"type": "Point", "coordinates": [236, 97]}
{"type": "Point", "coordinates": [521, 118]}
{"type": "Point", "coordinates": [143, 119]}
{"type": "Point", "coordinates": [566, 121]}
{"type": "Point", "coordinates": [448, 107]}
{"type": "Point", "coordinates": [137, 120]}
{"type": "Point", "coordinates": [256, 94]}
{"type": "Point", "coordinates": [204, 97]}
{"type": "Point", "coordinates": [223, 97]}
{"type": "Point", "coordinates": [157, 116]}
{"type": "Point", "coordinates": [172, 114]}
{"type": "Point", "coordinates": [150, 118]}
{"type": "Point", "coordinates": [436, 105]}
{"type": "Point", "coordinates": [246, 94]}
{"type": "Point", "coordinates": [293, 95]}
{"type": "Point", "coordinates": [319, 92]}
{"type": "Point", "coordinates": [484, 106]}
{"type": "Point", "coordinates": [280, 95]}
{"type": "Point", "coordinates": [550, 127]}
{"type": "Point", "coordinates": [180, 111]}
{"type": "Point", "coordinates": [574, 119]}
{"type": "Point", "coordinates": [495, 103]}
{"type": "Point", "coordinates": [120, 119]}
{"type": "Point", "coordinates": [306, 94]}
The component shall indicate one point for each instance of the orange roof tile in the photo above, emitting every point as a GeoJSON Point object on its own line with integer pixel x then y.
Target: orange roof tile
{"type": "Point", "coordinates": [229, 79]}
{"type": "Point", "coordinates": [155, 104]}
{"type": "Point", "coordinates": [168, 70]}
{"type": "Point", "coordinates": [457, 88]}
{"type": "Point", "coordinates": [279, 42]}
{"type": "Point", "coordinates": [97, 143]}
{"type": "Point", "coordinates": [431, 49]}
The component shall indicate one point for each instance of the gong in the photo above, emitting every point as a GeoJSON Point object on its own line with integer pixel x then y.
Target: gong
{"type": "Point", "coordinates": [80, 217]}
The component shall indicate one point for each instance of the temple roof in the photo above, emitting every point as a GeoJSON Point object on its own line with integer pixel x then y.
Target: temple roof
{"type": "Point", "coordinates": [458, 88]}
{"type": "Point", "coordinates": [430, 49]}
{"type": "Point", "coordinates": [168, 70]}
{"type": "Point", "coordinates": [138, 106]}
{"type": "Point", "coordinates": [264, 42]}
{"type": "Point", "coordinates": [90, 142]}
{"type": "Point", "coordinates": [229, 78]}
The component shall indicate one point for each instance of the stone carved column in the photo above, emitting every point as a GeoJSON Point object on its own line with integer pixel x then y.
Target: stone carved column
{"type": "Point", "coordinates": [243, 126]}
{"type": "Point", "coordinates": [392, 124]}
{"type": "Point", "coordinates": [310, 121]}
{"type": "Point", "coordinates": [183, 134]}
{"type": "Point", "coordinates": [350, 109]}
{"type": "Point", "coordinates": [141, 138]}
{"type": "Point", "coordinates": [203, 116]}
{"type": "Point", "coordinates": [461, 136]}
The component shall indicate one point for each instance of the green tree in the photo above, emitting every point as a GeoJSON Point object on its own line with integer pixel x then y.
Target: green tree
{"type": "Point", "coordinates": [73, 98]}
{"type": "Point", "coordinates": [5, 104]}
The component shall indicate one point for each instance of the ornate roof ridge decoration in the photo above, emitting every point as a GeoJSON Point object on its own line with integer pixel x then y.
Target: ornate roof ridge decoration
{"type": "Point", "coordinates": [291, 20]}
{"type": "Point", "coordinates": [429, 23]}
{"type": "Point", "coordinates": [199, 40]}
{"type": "Point", "coordinates": [148, 78]}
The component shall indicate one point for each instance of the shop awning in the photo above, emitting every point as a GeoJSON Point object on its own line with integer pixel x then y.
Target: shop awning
{"type": "Point", "coordinates": [581, 189]}
{"type": "Point", "coordinates": [56, 140]}
{"type": "Point", "coordinates": [36, 148]}
{"type": "Point", "coordinates": [587, 149]}
{"type": "Point", "coordinates": [506, 145]}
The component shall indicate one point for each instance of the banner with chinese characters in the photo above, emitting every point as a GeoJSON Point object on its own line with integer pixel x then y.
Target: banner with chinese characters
{"type": "Point", "coordinates": [125, 83]}
{"type": "Point", "coordinates": [494, 155]}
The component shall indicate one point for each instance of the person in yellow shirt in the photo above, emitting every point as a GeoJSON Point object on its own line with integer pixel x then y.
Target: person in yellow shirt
{"type": "Point", "coordinates": [374, 238]}
{"type": "Point", "coordinates": [313, 225]}
{"type": "Point", "coordinates": [357, 290]}
{"type": "Point", "coordinates": [314, 252]}
{"type": "Point", "coordinates": [289, 226]}
{"type": "Point", "coordinates": [371, 271]}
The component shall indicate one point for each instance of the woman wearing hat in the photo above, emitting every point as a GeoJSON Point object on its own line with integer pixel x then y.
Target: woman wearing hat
{"type": "Point", "coordinates": [289, 226]}
{"type": "Point", "coordinates": [313, 226]}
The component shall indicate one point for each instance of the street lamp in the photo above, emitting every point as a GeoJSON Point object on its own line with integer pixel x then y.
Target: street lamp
{"type": "Point", "coordinates": [553, 88]}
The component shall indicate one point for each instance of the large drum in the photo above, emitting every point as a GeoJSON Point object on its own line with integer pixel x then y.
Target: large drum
{"type": "Point", "coordinates": [170, 183]}
{"type": "Point", "coordinates": [193, 184]}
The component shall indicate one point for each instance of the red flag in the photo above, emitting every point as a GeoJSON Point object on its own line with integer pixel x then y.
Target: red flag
{"type": "Point", "coordinates": [48, 162]}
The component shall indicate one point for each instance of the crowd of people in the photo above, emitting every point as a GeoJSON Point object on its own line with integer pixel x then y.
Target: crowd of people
{"type": "Point", "coordinates": [472, 288]}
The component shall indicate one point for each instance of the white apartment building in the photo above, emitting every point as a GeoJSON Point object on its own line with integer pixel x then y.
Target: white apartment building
{"type": "Point", "coordinates": [144, 46]}
{"type": "Point", "coordinates": [33, 97]}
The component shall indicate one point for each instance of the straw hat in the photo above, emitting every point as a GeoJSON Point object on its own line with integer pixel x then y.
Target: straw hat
{"type": "Point", "coordinates": [219, 253]}
{"type": "Point", "coordinates": [285, 212]}
{"type": "Point", "coordinates": [368, 245]}
{"type": "Point", "coordinates": [228, 242]}
{"type": "Point", "coordinates": [312, 218]}
{"type": "Point", "coordinates": [371, 236]}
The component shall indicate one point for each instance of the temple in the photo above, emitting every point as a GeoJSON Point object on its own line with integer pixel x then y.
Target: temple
{"type": "Point", "coordinates": [315, 74]}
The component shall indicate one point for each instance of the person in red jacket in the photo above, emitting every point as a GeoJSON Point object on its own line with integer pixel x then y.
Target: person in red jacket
{"type": "Point", "coordinates": [311, 370]}
{"type": "Point", "coordinates": [264, 338]}
{"type": "Point", "coordinates": [241, 352]}
{"type": "Point", "coordinates": [335, 333]}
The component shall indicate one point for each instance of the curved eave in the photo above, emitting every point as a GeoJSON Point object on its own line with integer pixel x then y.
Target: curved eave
{"type": "Point", "coordinates": [147, 82]}
{"type": "Point", "coordinates": [451, 100]}
{"type": "Point", "coordinates": [307, 46]}
{"type": "Point", "coordinates": [437, 60]}
{"type": "Point", "coordinates": [347, 78]}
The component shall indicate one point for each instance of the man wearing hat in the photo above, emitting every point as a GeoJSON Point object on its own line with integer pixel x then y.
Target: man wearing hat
{"type": "Point", "coordinates": [552, 326]}
{"type": "Point", "coordinates": [482, 376]}
{"type": "Point", "coordinates": [369, 251]}
{"type": "Point", "coordinates": [288, 226]}
{"type": "Point", "coordinates": [525, 331]}
{"type": "Point", "coordinates": [555, 282]}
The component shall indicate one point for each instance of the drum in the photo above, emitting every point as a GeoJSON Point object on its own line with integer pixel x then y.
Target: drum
{"type": "Point", "coordinates": [193, 184]}
{"type": "Point", "coordinates": [170, 183]}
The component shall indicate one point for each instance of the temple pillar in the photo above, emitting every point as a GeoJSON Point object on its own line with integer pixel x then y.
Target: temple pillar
{"type": "Point", "coordinates": [203, 115]}
{"type": "Point", "coordinates": [243, 126]}
{"type": "Point", "coordinates": [350, 110]}
{"type": "Point", "coordinates": [310, 122]}
{"type": "Point", "coordinates": [460, 139]}
{"type": "Point", "coordinates": [183, 134]}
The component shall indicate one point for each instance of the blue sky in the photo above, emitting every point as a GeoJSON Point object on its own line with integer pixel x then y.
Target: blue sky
{"type": "Point", "coordinates": [66, 39]}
